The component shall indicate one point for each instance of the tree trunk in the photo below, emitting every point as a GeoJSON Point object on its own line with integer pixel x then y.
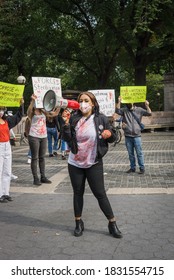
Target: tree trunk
{"type": "Point", "coordinates": [140, 74]}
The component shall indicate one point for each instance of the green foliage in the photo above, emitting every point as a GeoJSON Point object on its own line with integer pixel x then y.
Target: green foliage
{"type": "Point", "coordinates": [155, 91]}
{"type": "Point", "coordinates": [88, 44]}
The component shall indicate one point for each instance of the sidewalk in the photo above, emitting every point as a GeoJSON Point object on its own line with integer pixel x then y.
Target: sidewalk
{"type": "Point", "coordinates": [39, 223]}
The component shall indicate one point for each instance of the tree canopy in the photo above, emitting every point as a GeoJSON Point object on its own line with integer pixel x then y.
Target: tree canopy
{"type": "Point", "coordinates": [88, 44]}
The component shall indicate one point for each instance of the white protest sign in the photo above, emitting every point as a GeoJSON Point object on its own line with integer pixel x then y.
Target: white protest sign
{"type": "Point", "coordinates": [42, 84]}
{"type": "Point", "coordinates": [106, 100]}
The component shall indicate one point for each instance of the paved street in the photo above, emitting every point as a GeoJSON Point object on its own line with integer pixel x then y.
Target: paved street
{"type": "Point", "coordinates": [39, 223]}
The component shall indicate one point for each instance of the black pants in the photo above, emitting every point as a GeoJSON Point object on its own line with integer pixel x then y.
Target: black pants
{"type": "Point", "coordinates": [38, 147]}
{"type": "Point", "coordinates": [95, 178]}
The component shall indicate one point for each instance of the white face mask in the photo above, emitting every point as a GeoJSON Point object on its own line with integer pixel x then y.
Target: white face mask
{"type": "Point", "coordinates": [1, 113]}
{"type": "Point", "coordinates": [85, 107]}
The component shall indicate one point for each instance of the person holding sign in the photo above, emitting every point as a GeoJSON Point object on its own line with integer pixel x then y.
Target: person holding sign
{"type": "Point", "coordinates": [37, 139]}
{"type": "Point", "coordinates": [7, 123]}
{"type": "Point", "coordinates": [88, 133]}
{"type": "Point", "coordinates": [131, 124]}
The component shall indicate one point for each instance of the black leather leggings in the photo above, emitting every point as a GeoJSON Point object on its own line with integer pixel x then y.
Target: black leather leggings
{"type": "Point", "coordinates": [95, 178]}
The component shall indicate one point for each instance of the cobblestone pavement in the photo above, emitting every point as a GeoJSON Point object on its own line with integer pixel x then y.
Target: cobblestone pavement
{"type": "Point", "coordinates": [39, 223]}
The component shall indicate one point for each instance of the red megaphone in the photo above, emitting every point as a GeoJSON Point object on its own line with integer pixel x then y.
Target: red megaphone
{"type": "Point", "coordinates": [51, 101]}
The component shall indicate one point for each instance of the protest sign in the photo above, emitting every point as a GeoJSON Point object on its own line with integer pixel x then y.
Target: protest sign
{"type": "Point", "coordinates": [106, 100]}
{"type": "Point", "coordinates": [133, 94]}
{"type": "Point", "coordinates": [42, 84]}
{"type": "Point", "coordinates": [10, 94]}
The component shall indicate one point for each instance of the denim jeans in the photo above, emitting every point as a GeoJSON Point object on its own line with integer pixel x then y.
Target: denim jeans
{"type": "Point", "coordinates": [38, 148]}
{"type": "Point", "coordinates": [64, 146]}
{"type": "Point", "coordinates": [94, 176]}
{"type": "Point", "coordinates": [29, 153]}
{"type": "Point", "coordinates": [134, 144]}
{"type": "Point", "coordinates": [52, 134]}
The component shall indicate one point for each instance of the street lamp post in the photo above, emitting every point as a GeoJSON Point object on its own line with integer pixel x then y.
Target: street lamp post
{"type": "Point", "coordinates": [21, 80]}
{"type": "Point", "coordinates": [158, 98]}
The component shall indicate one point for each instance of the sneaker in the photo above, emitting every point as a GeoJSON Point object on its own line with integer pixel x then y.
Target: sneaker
{"type": "Point", "coordinates": [63, 157]}
{"type": "Point", "coordinates": [142, 171]}
{"type": "Point", "coordinates": [45, 180]}
{"type": "Point", "coordinates": [3, 199]}
{"type": "Point", "coordinates": [13, 177]}
{"type": "Point", "coordinates": [55, 153]}
{"type": "Point", "coordinates": [51, 155]}
{"type": "Point", "coordinates": [29, 161]}
{"type": "Point", "coordinates": [130, 170]}
{"type": "Point", "coordinates": [9, 198]}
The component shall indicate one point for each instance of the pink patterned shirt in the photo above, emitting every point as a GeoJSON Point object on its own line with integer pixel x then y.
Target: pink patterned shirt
{"type": "Point", "coordinates": [87, 144]}
{"type": "Point", "coordinates": [38, 126]}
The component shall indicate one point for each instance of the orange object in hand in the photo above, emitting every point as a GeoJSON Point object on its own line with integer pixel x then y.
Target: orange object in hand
{"type": "Point", "coordinates": [106, 134]}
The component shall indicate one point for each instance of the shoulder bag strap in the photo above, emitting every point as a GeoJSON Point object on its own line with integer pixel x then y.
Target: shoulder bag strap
{"type": "Point", "coordinates": [136, 118]}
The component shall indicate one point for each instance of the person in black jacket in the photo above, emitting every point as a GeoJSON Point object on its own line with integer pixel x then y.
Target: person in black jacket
{"type": "Point", "coordinates": [88, 133]}
{"type": "Point", "coordinates": [6, 123]}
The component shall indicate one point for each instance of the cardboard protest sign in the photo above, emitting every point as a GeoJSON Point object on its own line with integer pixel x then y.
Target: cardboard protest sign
{"type": "Point", "coordinates": [10, 94]}
{"type": "Point", "coordinates": [42, 84]}
{"type": "Point", "coordinates": [133, 94]}
{"type": "Point", "coordinates": [106, 100]}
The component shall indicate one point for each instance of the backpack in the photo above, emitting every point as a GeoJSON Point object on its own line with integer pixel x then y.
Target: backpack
{"type": "Point", "coordinates": [27, 127]}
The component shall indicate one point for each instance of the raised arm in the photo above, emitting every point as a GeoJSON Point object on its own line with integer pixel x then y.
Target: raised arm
{"type": "Point", "coordinates": [118, 105]}
{"type": "Point", "coordinates": [31, 106]}
{"type": "Point", "coordinates": [147, 107]}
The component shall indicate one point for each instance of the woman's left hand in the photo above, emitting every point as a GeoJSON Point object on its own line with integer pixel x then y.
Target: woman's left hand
{"type": "Point", "coordinates": [106, 134]}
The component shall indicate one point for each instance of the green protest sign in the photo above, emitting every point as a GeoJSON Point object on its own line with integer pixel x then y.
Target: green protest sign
{"type": "Point", "coordinates": [133, 94]}
{"type": "Point", "coordinates": [10, 94]}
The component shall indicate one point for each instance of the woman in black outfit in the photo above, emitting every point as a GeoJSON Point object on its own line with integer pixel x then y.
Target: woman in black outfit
{"type": "Point", "coordinates": [88, 133]}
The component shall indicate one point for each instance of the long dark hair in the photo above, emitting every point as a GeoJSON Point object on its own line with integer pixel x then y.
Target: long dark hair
{"type": "Point", "coordinates": [96, 107]}
{"type": "Point", "coordinates": [5, 112]}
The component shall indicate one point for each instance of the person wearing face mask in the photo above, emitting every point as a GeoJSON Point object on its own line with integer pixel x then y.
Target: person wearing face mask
{"type": "Point", "coordinates": [37, 138]}
{"type": "Point", "coordinates": [88, 133]}
{"type": "Point", "coordinates": [7, 123]}
{"type": "Point", "coordinates": [131, 119]}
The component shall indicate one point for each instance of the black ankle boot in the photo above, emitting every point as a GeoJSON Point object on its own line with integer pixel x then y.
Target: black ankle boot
{"type": "Point", "coordinates": [37, 182]}
{"type": "Point", "coordinates": [113, 229]}
{"type": "Point", "coordinates": [79, 228]}
{"type": "Point", "coordinates": [45, 180]}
